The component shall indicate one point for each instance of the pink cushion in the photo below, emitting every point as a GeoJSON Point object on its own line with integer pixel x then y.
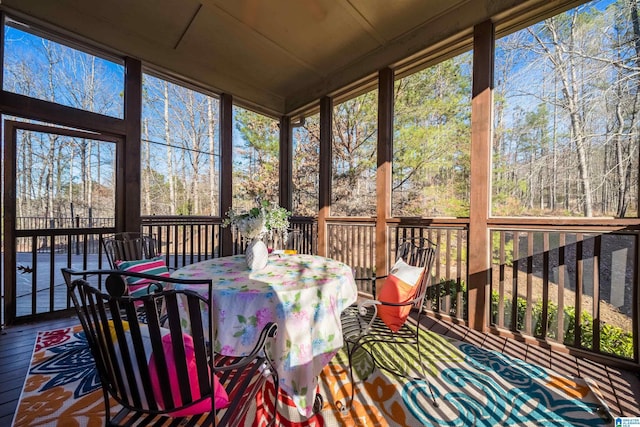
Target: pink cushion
{"type": "Point", "coordinates": [400, 286]}
{"type": "Point", "coordinates": [221, 399]}
{"type": "Point", "coordinates": [155, 266]}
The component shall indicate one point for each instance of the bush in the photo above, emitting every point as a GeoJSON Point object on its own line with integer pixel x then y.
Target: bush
{"type": "Point", "coordinates": [438, 291]}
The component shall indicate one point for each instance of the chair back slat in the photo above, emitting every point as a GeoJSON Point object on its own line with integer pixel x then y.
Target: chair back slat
{"type": "Point", "coordinates": [199, 334]}
{"type": "Point", "coordinates": [158, 349]}
{"type": "Point", "coordinates": [124, 354]}
{"type": "Point", "coordinates": [177, 345]}
{"type": "Point", "coordinates": [129, 246]}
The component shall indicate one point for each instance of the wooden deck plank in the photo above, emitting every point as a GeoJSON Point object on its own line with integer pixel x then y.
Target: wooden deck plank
{"type": "Point", "coordinates": [538, 356]}
{"type": "Point", "coordinates": [621, 389]}
{"type": "Point", "coordinates": [16, 347]}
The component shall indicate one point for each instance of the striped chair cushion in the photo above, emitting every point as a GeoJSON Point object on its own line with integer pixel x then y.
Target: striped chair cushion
{"type": "Point", "coordinates": [137, 285]}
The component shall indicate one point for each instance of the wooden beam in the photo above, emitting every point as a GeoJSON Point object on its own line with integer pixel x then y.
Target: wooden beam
{"type": "Point", "coordinates": [9, 223]}
{"type": "Point", "coordinates": [481, 135]}
{"type": "Point", "coordinates": [286, 163]}
{"type": "Point", "coordinates": [3, 18]}
{"type": "Point", "coordinates": [226, 169]}
{"type": "Point", "coordinates": [46, 111]}
{"type": "Point", "coordinates": [128, 205]}
{"type": "Point", "coordinates": [384, 171]}
{"type": "Point", "coordinates": [324, 186]}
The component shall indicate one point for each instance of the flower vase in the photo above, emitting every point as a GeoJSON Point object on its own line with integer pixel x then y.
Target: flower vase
{"type": "Point", "coordinates": [256, 254]}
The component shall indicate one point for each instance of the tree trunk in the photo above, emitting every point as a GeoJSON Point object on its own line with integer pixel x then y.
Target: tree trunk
{"type": "Point", "coordinates": [146, 172]}
{"type": "Point", "coordinates": [212, 159]}
{"type": "Point", "coordinates": [167, 135]}
{"type": "Point", "coordinates": [567, 73]}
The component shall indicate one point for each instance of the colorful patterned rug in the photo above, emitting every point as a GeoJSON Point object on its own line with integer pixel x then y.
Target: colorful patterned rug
{"type": "Point", "coordinates": [473, 387]}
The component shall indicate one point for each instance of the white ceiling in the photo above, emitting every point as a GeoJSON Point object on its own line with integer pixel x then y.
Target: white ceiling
{"type": "Point", "coordinates": [278, 55]}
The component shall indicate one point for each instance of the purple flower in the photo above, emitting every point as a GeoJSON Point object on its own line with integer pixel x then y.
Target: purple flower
{"type": "Point", "coordinates": [263, 317]}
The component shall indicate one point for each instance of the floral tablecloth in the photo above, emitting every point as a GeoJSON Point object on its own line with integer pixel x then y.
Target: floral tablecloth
{"type": "Point", "coordinates": [303, 294]}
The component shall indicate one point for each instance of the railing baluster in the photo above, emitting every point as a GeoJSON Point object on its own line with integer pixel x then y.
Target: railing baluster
{"type": "Point", "coordinates": [597, 247]}
{"type": "Point", "coordinates": [514, 272]}
{"type": "Point", "coordinates": [501, 279]}
{"type": "Point", "coordinates": [579, 284]}
{"type": "Point", "coordinates": [546, 252]}
{"type": "Point", "coordinates": [561, 284]}
{"type": "Point", "coordinates": [460, 309]}
{"type": "Point", "coordinates": [545, 284]}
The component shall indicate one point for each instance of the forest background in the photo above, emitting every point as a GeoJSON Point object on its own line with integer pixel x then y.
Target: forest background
{"type": "Point", "coordinates": [565, 132]}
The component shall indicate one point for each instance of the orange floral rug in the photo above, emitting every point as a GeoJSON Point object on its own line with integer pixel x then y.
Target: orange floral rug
{"type": "Point", "coordinates": [472, 386]}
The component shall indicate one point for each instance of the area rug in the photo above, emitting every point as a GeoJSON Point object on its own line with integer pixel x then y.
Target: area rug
{"type": "Point", "coordinates": [472, 386]}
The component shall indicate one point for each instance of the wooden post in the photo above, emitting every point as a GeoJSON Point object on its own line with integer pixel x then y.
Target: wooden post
{"type": "Point", "coordinates": [286, 163]}
{"type": "Point", "coordinates": [324, 187]}
{"type": "Point", "coordinates": [384, 171]}
{"type": "Point", "coordinates": [481, 136]}
{"type": "Point", "coordinates": [9, 222]}
{"type": "Point", "coordinates": [128, 203]}
{"type": "Point", "coordinates": [226, 169]}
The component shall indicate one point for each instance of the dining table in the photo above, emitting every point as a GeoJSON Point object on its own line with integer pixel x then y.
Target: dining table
{"type": "Point", "coordinates": [303, 294]}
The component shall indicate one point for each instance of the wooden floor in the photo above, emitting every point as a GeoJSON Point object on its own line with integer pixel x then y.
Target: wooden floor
{"type": "Point", "coordinates": [620, 388]}
{"type": "Point", "coordinates": [16, 346]}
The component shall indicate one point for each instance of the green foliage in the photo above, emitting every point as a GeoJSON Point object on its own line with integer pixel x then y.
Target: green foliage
{"type": "Point", "coordinates": [431, 141]}
{"type": "Point", "coordinates": [508, 248]}
{"type": "Point", "coordinates": [276, 217]}
{"type": "Point", "coordinates": [256, 162]}
{"type": "Point", "coordinates": [613, 339]}
{"type": "Point", "coordinates": [448, 287]}
{"type": "Point", "coordinates": [354, 145]}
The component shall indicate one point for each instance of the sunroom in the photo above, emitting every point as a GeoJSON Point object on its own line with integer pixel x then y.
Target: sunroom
{"type": "Point", "coordinates": [505, 132]}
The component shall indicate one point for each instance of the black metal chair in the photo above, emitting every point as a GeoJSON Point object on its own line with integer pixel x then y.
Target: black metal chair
{"type": "Point", "coordinates": [129, 246]}
{"type": "Point", "coordinates": [165, 373]}
{"type": "Point", "coordinates": [364, 329]}
{"type": "Point", "coordinates": [123, 249]}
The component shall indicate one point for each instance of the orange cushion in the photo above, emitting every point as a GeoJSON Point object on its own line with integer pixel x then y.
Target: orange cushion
{"type": "Point", "coordinates": [400, 286]}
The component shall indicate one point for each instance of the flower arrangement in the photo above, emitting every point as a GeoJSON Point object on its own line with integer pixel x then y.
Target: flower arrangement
{"type": "Point", "coordinates": [250, 225]}
{"type": "Point", "coordinates": [265, 219]}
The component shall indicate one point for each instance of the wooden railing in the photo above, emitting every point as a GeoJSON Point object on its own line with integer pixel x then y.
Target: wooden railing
{"type": "Point", "coordinates": [578, 288]}
{"type": "Point", "coordinates": [353, 242]}
{"type": "Point", "coordinates": [536, 274]}
{"type": "Point", "coordinates": [447, 294]}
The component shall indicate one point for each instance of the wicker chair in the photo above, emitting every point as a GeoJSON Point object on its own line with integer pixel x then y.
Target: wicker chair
{"type": "Point", "coordinates": [364, 329]}
{"type": "Point", "coordinates": [161, 374]}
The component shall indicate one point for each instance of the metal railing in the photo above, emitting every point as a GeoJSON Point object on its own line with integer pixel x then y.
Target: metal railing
{"type": "Point", "coordinates": [40, 254]}
{"type": "Point", "coordinates": [187, 239]}
{"type": "Point", "coordinates": [183, 240]}
{"type": "Point", "coordinates": [40, 223]}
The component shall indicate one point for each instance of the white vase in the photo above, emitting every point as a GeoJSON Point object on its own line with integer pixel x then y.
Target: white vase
{"type": "Point", "coordinates": [256, 254]}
